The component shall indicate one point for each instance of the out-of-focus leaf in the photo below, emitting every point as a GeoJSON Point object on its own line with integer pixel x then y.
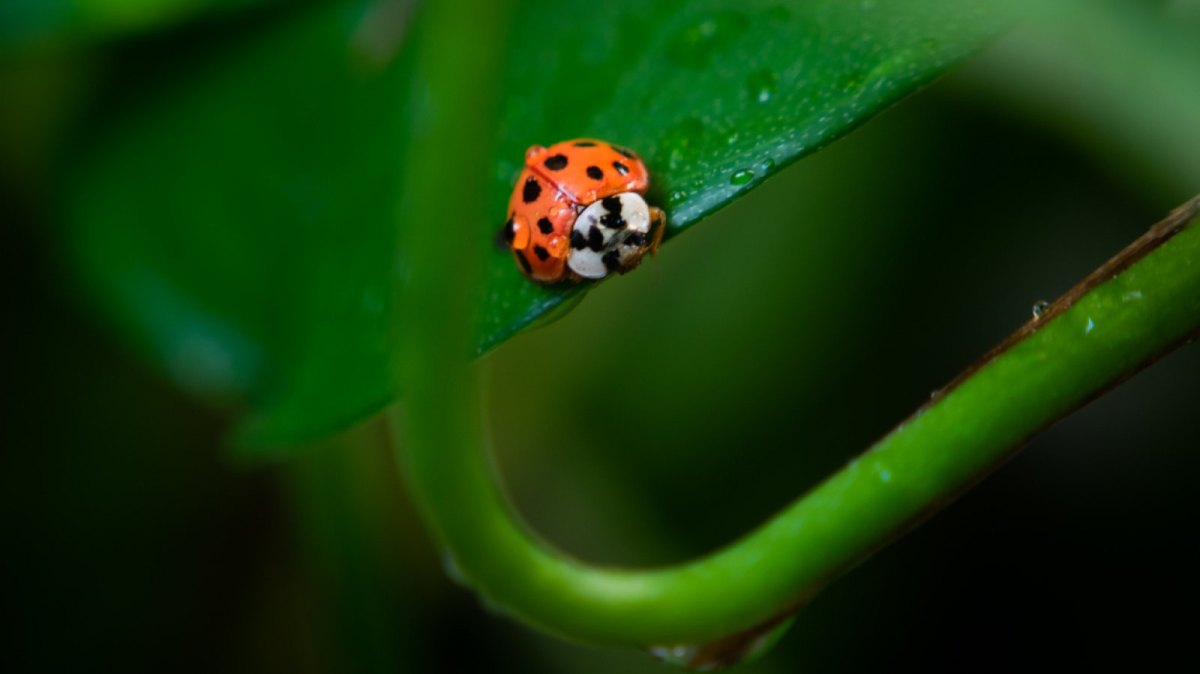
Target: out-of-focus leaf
{"type": "Point", "coordinates": [1119, 77]}
{"type": "Point", "coordinates": [240, 223]}
{"type": "Point", "coordinates": [26, 23]}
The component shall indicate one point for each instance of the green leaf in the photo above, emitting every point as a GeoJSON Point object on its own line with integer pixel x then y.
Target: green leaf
{"type": "Point", "coordinates": [239, 219]}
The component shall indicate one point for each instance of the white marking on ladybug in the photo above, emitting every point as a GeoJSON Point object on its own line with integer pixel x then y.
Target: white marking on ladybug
{"type": "Point", "coordinates": [608, 235]}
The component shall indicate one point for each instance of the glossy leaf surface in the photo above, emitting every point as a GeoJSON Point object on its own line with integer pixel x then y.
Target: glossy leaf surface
{"type": "Point", "coordinates": [239, 219]}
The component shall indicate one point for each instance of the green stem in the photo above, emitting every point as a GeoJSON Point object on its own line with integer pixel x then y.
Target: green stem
{"type": "Point", "coordinates": [340, 527]}
{"type": "Point", "coordinates": [1137, 307]}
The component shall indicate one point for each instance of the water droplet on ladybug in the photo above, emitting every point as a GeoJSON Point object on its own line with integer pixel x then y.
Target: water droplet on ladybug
{"type": "Point", "coordinates": [557, 245]}
{"type": "Point", "coordinates": [520, 232]}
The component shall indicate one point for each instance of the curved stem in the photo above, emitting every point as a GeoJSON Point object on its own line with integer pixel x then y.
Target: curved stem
{"type": "Point", "coordinates": [1134, 309]}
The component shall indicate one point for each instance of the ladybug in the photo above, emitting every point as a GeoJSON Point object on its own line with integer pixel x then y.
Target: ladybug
{"type": "Point", "coordinates": [577, 212]}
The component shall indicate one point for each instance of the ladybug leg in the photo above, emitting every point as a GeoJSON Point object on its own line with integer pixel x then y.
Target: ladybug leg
{"type": "Point", "coordinates": [658, 226]}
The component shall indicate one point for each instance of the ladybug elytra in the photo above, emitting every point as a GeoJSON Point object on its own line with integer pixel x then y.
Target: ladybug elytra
{"type": "Point", "coordinates": [577, 212]}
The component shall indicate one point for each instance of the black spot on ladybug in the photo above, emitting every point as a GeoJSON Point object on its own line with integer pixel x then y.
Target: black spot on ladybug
{"type": "Point", "coordinates": [635, 239]}
{"type": "Point", "coordinates": [595, 239]}
{"type": "Point", "coordinates": [542, 253]}
{"type": "Point", "coordinates": [509, 231]}
{"type": "Point", "coordinates": [532, 191]}
{"type": "Point", "coordinates": [621, 168]}
{"type": "Point", "coordinates": [595, 173]}
{"type": "Point", "coordinates": [556, 163]}
{"type": "Point", "coordinates": [524, 262]}
{"type": "Point", "coordinates": [611, 260]}
{"type": "Point", "coordinates": [623, 152]}
{"type": "Point", "coordinates": [613, 221]}
{"type": "Point", "coordinates": [578, 242]}
{"type": "Point", "coordinates": [584, 143]}
{"type": "Point", "coordinates": [545, 226]}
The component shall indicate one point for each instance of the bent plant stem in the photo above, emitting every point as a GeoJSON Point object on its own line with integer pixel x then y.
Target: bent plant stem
{"type": "Point", "coordinates": [1139, 306]}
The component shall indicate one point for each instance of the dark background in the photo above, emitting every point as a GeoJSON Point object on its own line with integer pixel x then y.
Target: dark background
{"type": "Point", "coordinates": [770, 345]}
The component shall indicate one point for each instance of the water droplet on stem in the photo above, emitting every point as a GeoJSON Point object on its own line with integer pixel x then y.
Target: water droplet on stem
{"type": "Point", "coordinates": [453, 570]}
{"type": "Point", "coordinates": [732, 650]}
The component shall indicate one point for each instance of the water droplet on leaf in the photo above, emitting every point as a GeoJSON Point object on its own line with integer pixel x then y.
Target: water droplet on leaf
{"type": "Point", "coordinates": [677, 197]}
{"type": "Point", "coordinates": [741, 177]}
{"type": "Point", "coordinates": [678, 140]}
{"type": "Point", "coordinates": [695, 45]}
{"type": "Point", "coordinates": [852, 81]}
{"type": "Point", "coordinates": [761, 85]}
{"type": "Point", "coordinates": [1039, 308]}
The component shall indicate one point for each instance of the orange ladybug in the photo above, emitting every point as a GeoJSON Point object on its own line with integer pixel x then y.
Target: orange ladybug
{"type": "Point", "coordinates": [577, 212]}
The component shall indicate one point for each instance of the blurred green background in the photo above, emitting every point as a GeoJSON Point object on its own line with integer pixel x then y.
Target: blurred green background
{"type": "Point", "coordinates": [752, 357]}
